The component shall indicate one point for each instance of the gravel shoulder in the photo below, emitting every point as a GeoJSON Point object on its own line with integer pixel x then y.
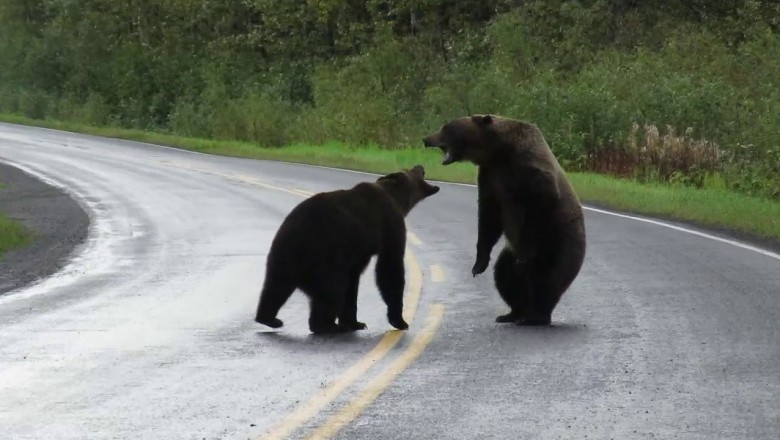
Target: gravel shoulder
{"type": "Point", "coordinates": [58, 224]}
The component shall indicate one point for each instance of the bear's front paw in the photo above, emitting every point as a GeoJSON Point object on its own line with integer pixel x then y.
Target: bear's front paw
{"type": "Point", "coordinates": [270, 322]}
{"type": "Point", "coordinates": [399, 323]}
{"type": "Point", "coordinates": [480, 266]}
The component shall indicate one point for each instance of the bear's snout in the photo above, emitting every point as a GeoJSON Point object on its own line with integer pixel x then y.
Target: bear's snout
{"type": "Point", "coordinates": [431, 141]}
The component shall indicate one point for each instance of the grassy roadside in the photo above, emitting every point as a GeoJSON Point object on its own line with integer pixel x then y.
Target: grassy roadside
{"type": "Point", "coordinates": [720, 209]}
{"type": "Point", "coordinates": [12, 234]}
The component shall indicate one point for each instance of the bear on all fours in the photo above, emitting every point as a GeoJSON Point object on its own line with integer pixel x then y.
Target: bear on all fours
{"type": "Point", "coordinates": [325, 243]}
{"type": "Point", "coordinates": [523, 193]}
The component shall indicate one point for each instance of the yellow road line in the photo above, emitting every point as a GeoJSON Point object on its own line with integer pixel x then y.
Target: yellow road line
{"type": "Point", "coordinates": [327, 395]}
{"type": "Point", "coordinates": [415, 287]}
{"type": "Point", "coordinates": [378, 385]}
{"type": "Point", "coordinates": [303, 192]}
{"type": "Point", "coordinates": [414, 239]}
{"type": "Point", "coordinates": [237, 177]}
{"type": "Point", "coordinates": [253, 181]}
{"type": "Point", "coordinates": [437, 273]}
{"type": "Point", "coordinates": [333, 390]}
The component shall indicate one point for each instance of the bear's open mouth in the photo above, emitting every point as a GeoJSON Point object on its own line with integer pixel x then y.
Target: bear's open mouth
{"type": "Point", "coordinates": [449, 157]}
{"type": "Point", "coordinates": [449, 154]}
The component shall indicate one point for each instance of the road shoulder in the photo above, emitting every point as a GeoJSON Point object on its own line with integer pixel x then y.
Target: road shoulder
{"type": "Point", "coordinates": [58, 224]}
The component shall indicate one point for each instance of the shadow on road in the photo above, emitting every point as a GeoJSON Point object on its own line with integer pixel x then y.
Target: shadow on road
{"type": "Point", "coordinates": [561, 329]}
{"type": "Point", "coordinates": [317, 342]}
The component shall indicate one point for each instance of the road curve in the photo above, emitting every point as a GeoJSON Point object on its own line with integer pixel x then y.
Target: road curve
{"type": "Point", "coordinates": [147, 333]}
{"type": "Point", "coordinates": [57, 222]}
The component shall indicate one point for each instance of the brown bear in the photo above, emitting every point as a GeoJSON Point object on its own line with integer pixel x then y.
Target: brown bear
{"type": "Point", "coordinates": [523, 193]}
{"type": "Point", "coordinates": [325, 243]}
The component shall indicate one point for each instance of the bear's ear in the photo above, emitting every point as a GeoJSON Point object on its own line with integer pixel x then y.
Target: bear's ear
{"type": "Point", "coordinates": [482, 119]}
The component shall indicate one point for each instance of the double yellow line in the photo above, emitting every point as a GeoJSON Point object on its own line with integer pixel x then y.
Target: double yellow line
{"type": "Point", "coordinates": [357, 370]}
{"type": "Point", "coordinates": [380, 382]}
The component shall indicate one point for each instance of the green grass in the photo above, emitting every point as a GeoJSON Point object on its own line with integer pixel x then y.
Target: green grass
{"type": "Point", "coordinates": [709, 207]}
{"type": "Point", "coordinates": [718, 208]}
{"type": "Point", "coordinates": [12, 235]}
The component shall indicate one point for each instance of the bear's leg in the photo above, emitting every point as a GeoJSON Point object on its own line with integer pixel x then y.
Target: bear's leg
{"type": "Point", "coordinates": [275, 293]}
{"type": "Point", "coordinates": [542, 302]}
{"type": "Point", "coordinates": [348, 316]}
{"type": "Point", "coordinates": [489, 224]}
{"type": "Point", "coordinates": [327, 302]}
{"type": "Point", "coordinates": [323, 317]}
{"type": "Point", "coordinates": [551, 277]}
{"type": "Point", "coordinates": [511, 280]}
{"type": "Point", "coordinates": [390, 279]}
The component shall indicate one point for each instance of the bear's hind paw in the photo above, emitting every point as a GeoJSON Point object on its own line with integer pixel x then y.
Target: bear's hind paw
{"type": "Point", "coordinates": [327, 329]}
{"type": "Point", "coordinates": [353, 326]}
{"type": "Point", "coordinates": [509, 317]}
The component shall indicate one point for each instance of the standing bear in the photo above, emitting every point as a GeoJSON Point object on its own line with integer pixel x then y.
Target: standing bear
{"type": "Point", "coordinates": [325, 243]}
{"type": "Point", "coordinates": [524, 195]}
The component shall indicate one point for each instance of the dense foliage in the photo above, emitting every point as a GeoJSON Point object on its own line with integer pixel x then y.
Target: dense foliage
{"type": "Point", "coordinates": [684, 91]}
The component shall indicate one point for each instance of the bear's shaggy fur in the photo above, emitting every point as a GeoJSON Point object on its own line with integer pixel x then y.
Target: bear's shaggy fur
{"type": "Point", "coordinates": [523, 194]}
{"type": "Point", "coordinates": [325, 243]}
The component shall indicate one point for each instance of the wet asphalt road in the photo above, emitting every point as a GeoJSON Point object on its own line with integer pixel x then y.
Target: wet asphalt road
{"type": "Point", "coordinates": [148, 332]}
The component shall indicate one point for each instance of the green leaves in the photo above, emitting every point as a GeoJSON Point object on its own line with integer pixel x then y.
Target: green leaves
{"type": "Point", "coordinates": [384, 72]}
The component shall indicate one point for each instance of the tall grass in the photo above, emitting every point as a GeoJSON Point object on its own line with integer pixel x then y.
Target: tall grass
{"type": "Point", "coordinates": [650, 156]}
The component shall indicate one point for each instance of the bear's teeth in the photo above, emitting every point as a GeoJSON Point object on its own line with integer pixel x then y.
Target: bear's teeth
{"type": "Point", "coordinates": [448, 159]}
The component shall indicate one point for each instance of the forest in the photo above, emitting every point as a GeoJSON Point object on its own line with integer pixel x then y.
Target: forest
{"type": "Point", "coordinates": [685, 92]}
